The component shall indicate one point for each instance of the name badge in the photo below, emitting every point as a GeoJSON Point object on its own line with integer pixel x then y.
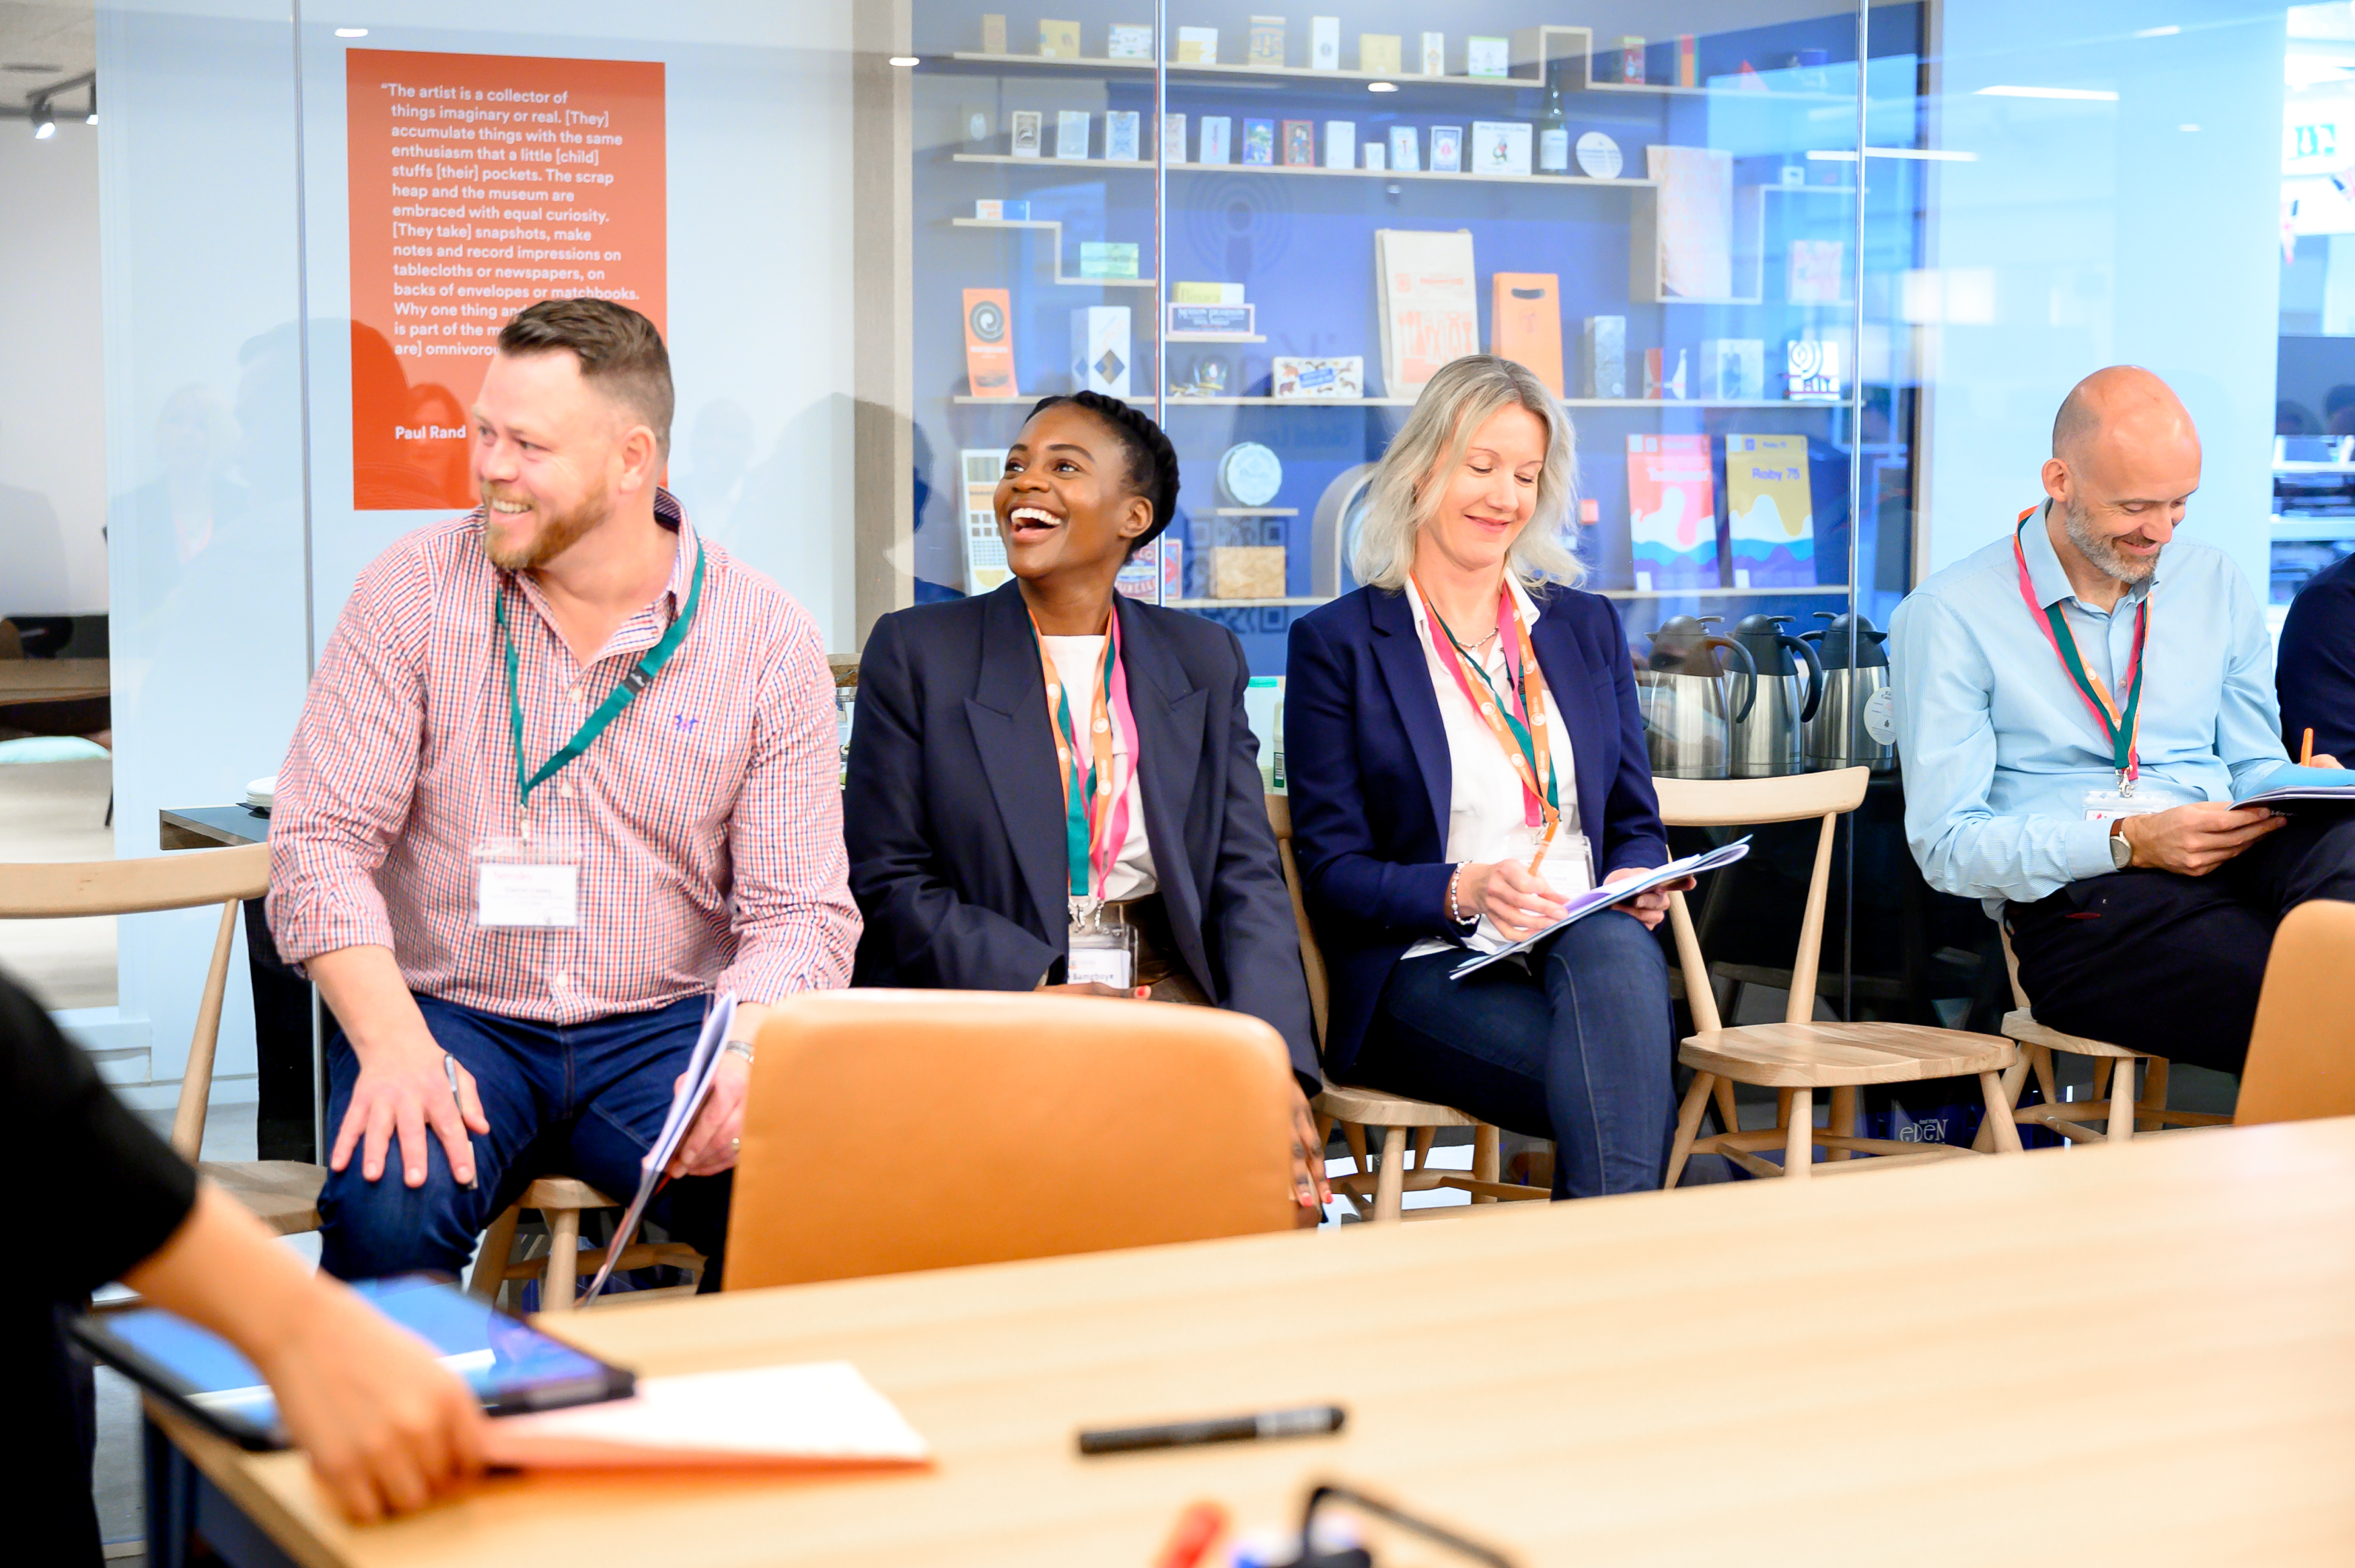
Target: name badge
{"type": "Point", "coordinates": [1569, 867]}
{"type": "Point", "coordinates": [526, 884]}
{"type": "Point", "coordinates": [1103, 947]}
{"type": "Point", "coordinates": [2103, 805]}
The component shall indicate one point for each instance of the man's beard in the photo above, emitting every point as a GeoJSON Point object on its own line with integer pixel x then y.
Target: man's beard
{"type": "Point", "coordinates": [558, 533]}
{"type": "Point", "coordinates": [2103, 551]}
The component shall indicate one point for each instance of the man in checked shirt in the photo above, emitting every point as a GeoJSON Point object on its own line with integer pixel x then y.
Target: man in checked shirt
{"type": "Point", "coordinates": [566, 770]}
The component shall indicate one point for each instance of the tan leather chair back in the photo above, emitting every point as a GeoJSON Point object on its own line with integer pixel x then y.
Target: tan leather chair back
{"type": "Point", "coordinates": [892, 1130]}
{"type": "Point", "coordinates": [2302, 1052]}
{"type": "Point", "coordinates": [1312, 960]}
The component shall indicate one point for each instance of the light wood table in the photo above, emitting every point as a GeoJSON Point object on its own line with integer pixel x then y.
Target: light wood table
{"type": "Point", "coordinates": [52, 680]}
{"type": "Point", "coordinates": [1921, 1365]}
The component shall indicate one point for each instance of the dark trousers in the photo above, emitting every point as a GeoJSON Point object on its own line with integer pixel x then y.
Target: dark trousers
{"type": "Point", "coordinates": [2170, 964]}
{"type": "Point", "coordinates": [1577, 1048]}
{"type": "Point", "coordinates": [585, 1100]}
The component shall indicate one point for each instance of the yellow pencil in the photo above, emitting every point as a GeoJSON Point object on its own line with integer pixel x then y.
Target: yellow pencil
{"type": "Point", "coordinates": [2306, 752]}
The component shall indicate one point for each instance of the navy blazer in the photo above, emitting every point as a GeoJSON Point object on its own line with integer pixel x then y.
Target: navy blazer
{"type": "Point", "coordinates": [1366, 759]}
{"type": "Point", "coordinates": [2314, 670]}
{"type": "Point", "coordinates": [954, 819]}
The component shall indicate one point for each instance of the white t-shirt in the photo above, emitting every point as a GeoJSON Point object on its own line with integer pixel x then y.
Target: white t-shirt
{"type": "Point", "coordinates": [1075, 660]}
{"type": "Point", "coordinates": [1486, 818]}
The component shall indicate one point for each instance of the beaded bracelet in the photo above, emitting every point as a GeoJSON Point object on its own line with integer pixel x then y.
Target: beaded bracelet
{"type": "Point", "coordinates": [1454, 912]}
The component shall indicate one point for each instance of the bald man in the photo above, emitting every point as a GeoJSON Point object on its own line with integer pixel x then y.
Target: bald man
{"type": "Point", "coordinates": [2140, 901]}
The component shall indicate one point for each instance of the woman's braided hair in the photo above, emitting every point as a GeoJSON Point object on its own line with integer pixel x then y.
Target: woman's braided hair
{"type": "Point", "coordinates": [1152, 460]}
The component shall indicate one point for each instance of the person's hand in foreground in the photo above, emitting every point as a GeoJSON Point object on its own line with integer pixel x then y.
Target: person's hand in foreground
{"type": "Point", "coordinates": [387, 1427]}
{"type": "Point", "coordinates": [1516, 899]}
{"type": "Point", "coordinates": [1650, 908]}
{"type": "Point", "coordinates": [2196, 838]}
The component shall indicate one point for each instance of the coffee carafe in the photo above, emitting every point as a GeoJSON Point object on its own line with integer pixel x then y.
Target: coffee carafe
{"type": "Point", "coordinates": [1767, 736]}
{"type": "Point", "coordinates": [1688, 708]}
{"type": "Point", "coordinates": [1856, 721]}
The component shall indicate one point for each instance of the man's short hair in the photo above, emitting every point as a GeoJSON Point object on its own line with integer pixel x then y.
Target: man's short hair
{"type": "Point", "coordinates": [619, 353]}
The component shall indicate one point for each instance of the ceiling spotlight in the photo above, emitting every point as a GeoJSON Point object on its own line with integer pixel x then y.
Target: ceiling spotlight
{"type": "Point", "coordinates": [1381, 87]}
{"type": "Point", "coordinates": [905, 62]}
{"type": "Point", "coordinates": [351, 32]}
{"type": "Point", "coordinates": [45, 123]}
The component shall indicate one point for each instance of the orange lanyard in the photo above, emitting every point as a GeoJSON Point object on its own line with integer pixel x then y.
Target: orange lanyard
{"type": "Point", "coordinates": [1522, 737]}
{"type": "Point", "coordinates": [1095, 823]}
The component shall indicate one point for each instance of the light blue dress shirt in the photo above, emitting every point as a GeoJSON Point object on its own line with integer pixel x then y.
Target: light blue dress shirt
{"type": "Point", "coordinates": [1998, 748]}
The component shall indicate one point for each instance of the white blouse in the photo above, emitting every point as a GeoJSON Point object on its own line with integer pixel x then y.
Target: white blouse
{"type": "Point", "coordinates": [1132, 874]}
{"type": "Point", "coordinates": [1487, 820]}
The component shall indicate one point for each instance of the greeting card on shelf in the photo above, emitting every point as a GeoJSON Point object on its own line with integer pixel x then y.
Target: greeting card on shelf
{"type": "Point", "coordinates": [1101, 349]}
{"type": "Point", "coordinates": [1058, 40]}
{"type": "Point", "coordinates": [1173, 138]}
{"type": "Point", "coordinates": [1486, 57]}
{"type": "Point", "coordinates": [1298, 375]}
{"type": "Point", "coordinates": [1259, 143]}
{"type": "Point", "coordinates": [1695, 232]}
{"type": "Point", "coordinates": [1404, 153]}
{"type": "Point", "coordinates": [1379, 53]}
{"type": "Point", "coordinates": [1602, 358]}
{"type": "Point", "coordinates": [989, 342]}
{"type": "Point", "coordinates": [1770, 511]}
{"type": "Point", "coordinates": [1325, 43]}
{"type": "Point", "coordinates": [1215, 131]}
{"type": "Point", "coordinates": [1376, 155]}
{"type": "Point", "coordinates": [984, 546]}
{"type": "Point", "coordinates": [1811, 370]}
{"type": "Point", "coordinates": [1671, 511]}
{"type": "Point", "coordinates": [1429, 311]}
{"type": "Point", "coordinates": [1435, 54]}
{"type": "Point", "coordinates": [1733, 370]}
{"type": "Point", "coordinates": [993, 33]}
{"type": "Point", "coordinates": [1340, 143]}
{"type": "Point", "coordinates": [1198, 45]}
{"type": "Point", "coordinates": [1101, 259]}
{"type": "Point", "coordinates": [1200, 293]}
{"type": "Point", "coordinates": [1500, 146]}
{"type": "Point", "coordinates": [1024, 132]}
{"type": "Point", "coordinates": [1121, 131]}
{"type": "Point", "coordinates": [1631, 60]}
{"type": "Point", "coordinates": [1266, 48]}
{"type": "Point", "coordinates": [1299, 144]}
{"type": "Point", "coordinates": [1664, 378]}
{"type": "Point", "coordinates": [1815, 272]}
{"type": "Point", "coordinates": [1129, 41]}
{"type": "Point", "coordinates": [1447, 149]}
{"type": "Point", "coordinates": [1525, 317]}
{"type": "Point", "coordinates": [1072, 132]}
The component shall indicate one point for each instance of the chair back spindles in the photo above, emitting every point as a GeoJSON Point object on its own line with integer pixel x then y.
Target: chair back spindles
{"type": "Point", "coordinates": [1801, 1007]}
{"type": "Point", "coordinates": [197, 1081]}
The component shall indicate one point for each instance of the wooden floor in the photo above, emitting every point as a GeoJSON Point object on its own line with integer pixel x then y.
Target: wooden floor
{"type": "Point", "coordinates": [48, 811]}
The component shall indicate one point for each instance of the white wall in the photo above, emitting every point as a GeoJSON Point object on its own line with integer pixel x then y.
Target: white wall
{"type": "Point", "coordinates": [2111, 234]}
{"type": "Point", "coordinates": [52, 402]}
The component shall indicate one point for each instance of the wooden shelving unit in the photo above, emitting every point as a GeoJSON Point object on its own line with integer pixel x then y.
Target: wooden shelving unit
{"type": "Point", "coordinates": [1055, 228]}
{"type": "Point", "coordinates": [1310, 170]}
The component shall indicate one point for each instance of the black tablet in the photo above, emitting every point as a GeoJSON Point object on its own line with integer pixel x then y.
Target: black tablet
{"type": "Point", "coordinates": [510, 1365]}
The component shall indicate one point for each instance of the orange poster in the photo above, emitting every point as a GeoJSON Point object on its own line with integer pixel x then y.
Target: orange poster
{"type": "Point", "coordinates": [479, 184]}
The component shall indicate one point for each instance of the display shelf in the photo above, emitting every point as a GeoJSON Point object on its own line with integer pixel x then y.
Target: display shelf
{"type": "Point", "coordinates": [1213, 337]}
{"type": "Point", "coordinates": [1061, 277]}
{"type": "Point", "coordinates": [1255, 511]}
{"type": "Point", "coordinates": [1301, 601]}
{"type": "Point", "coordinates": [964, 399]}
{"type": "Point", "coordinates": [1307, 169]}
{"type": "Point", "coordinates": [1278, 73]}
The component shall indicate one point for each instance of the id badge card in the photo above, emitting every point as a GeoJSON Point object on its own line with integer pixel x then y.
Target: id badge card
{"type": "Point", "coordinates": [2105, 805]}
{"type": "Point", "coordinates": [1569, 866]}
{"type": "Point", "coordinates": [1103, 948]}
{"type": "Point", "coordinates": [526, 884]}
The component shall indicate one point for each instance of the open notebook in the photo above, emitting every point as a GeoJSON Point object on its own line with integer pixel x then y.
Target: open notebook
{"type": "Point", "coordinates": [1604, 897]}
{"type": "Point", "coordinates": [2290, 785]}
{"type": "Point", "coordinates": [820, 1416]}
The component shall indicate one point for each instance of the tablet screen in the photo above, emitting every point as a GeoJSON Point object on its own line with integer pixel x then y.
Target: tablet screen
{"type": "Point", "coordinates": [510, 1365]}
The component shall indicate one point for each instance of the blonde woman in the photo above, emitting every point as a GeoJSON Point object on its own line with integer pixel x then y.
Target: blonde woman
{"type": "Point", "coordinates": [1465, 751]}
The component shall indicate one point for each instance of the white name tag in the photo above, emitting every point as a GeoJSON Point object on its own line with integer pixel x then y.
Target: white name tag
{"type": "Point", "coordinates": [1569, 867]}
{"type": "Point", "coordinates": [1106, 966]}
{"type": "Point", "coordinates": [2104, 805]}
{"type": "Point", "coordinates": [525, 886]}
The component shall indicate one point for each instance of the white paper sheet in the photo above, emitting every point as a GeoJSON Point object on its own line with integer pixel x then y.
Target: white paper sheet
{"type": "Point", "coordinates": [692, 1089]}
{"type": "Point", "coordinates": [817, 1415]}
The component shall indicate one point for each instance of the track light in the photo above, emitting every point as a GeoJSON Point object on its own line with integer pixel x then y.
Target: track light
{"type": "Point", "coordinates": [45, 123]}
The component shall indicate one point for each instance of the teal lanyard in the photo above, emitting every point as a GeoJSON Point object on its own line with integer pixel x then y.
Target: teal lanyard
{"type": "Point", "coordinates": [1518, 684]}
{"type": "Point", "coordinates": [1079, 784]}
{"type": "Point", "coordinates": [640, 677]}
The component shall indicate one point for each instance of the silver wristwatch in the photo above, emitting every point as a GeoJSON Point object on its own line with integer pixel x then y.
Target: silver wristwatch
{"type": "Point", "coordinates": [2121, 852]}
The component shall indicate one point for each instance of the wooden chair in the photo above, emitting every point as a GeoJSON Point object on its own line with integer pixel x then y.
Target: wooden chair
{"type": "Point", "coordinates": [557, 1259]}
{"type": "Point", "coordinates": [1798, 1056]}
{"type": "Point", "coordinates": [2302, 1051]}
{"type": "Point", "coordinates": [1052, 1125]}
{"type": "Point", "coordinates": [2113, 1103]}
{"type": "Point", "coordinates": [1379, 1188]}
{"type": "Point", "coordinates": [283, 1194]}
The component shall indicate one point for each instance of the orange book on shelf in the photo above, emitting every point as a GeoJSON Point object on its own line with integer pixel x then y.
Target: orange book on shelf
{"type": "Point", "coordinates": [1525, 323]}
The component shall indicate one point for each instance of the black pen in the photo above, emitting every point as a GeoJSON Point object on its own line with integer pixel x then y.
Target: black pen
{"type": "Point", "coordinates": [1308, 1421]}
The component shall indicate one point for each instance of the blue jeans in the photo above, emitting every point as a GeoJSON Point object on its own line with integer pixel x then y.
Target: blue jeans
{"type": "Point", "coordinates": [1577, 1048]}
{"type": "Point", "coordinates": [585, 1100]}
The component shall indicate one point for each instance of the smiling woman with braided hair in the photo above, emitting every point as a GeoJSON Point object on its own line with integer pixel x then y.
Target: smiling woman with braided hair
{"type": "Point", "coordinates": [1053, 787]}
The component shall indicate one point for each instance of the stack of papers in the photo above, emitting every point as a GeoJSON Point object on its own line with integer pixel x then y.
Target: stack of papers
{"type": "Point", "coordinates": [821, 1415]}
{"type": "Point", "coordinates": [694, 1086]}
{"type": "Point", "coordinates": [1604, 897]}
{"type": "Point", "coordinates": [2291, 785]}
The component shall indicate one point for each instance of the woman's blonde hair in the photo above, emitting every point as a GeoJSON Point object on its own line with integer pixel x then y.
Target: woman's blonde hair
{"type": "Point", "coordinates": [1454, 406]}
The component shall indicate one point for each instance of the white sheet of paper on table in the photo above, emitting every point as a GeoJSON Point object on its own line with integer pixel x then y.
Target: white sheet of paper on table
{"type": "Point", "coordinates": [814, 1412]}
